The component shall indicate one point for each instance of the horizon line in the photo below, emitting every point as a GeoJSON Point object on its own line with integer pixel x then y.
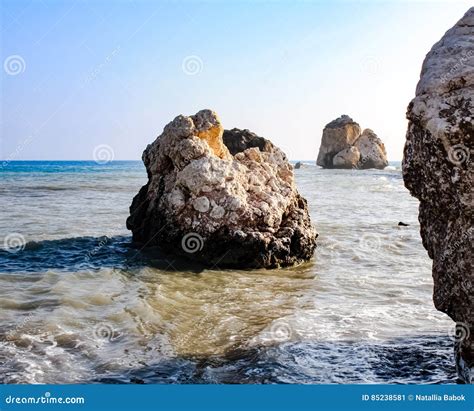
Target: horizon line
{"type": "Point", "coordinates": [111, 161]}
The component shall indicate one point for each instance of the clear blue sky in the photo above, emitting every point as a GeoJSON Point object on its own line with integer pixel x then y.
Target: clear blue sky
{"type": "Point", "coordinates": [111, 72]}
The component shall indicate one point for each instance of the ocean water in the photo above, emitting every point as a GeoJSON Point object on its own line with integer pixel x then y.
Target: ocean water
{"type": "Point", "coordinates": [79, 304]}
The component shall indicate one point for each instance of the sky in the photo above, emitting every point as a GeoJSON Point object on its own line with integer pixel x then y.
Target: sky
{"type": "Point", "coordinates": [79, 75]}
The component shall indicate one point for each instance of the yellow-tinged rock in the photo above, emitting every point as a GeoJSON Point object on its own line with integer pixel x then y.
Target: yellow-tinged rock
{"type": "Point", "coordinates": [209, 128]}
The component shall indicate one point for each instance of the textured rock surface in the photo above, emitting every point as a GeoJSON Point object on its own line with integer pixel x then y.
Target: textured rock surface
{"type": "Point", "coordinates": [239, 140]}
{"type": "Point", "coordinates": [372, 151]}
{"type": "Point", "coordinates": [437, 169]}
{"type": "Point", "coordinates": [339, 139]}
{"type": "Point", "coordinates": [226, 208]}
{"type": "Point", "coordinates": [338, 135]}
{"type": "Point", "coordinates": [347, 158]}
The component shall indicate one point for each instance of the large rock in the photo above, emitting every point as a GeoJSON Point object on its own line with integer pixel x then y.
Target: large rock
{"type": "Point", "coordinates": [223, 208]}
{"type": "Point", "coordinates": [338, 135]}
{"type": "Point", "coordinates": [372, 151]}
{"type": "Point", "coordinates": [437, 169]}
{"type": "Point", "coordinates": [344, 146]}
{"type": "Point", "coordinates": [347, 158]}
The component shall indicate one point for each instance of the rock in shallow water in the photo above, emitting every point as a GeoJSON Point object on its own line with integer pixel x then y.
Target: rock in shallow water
{"type": "Point", "coordinates": [347, 158]}
{"type": "Point", "coordinates": [437, 169]}
{"type": "Point", "coordinates": [344, 146]}
{"type": "Point", "coordinates": [237, 208]}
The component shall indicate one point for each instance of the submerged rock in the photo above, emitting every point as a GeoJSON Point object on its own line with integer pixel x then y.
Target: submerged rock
{"type": "Point", "coordinates": [437, 169]}
{"type": "Point", "coordinates": [232, 204]}
{"type": "Point", "coordinates": [344, 146]}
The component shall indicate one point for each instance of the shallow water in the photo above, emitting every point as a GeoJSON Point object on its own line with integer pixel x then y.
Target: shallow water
{"type": "Point", "coordinates": [79, 304]}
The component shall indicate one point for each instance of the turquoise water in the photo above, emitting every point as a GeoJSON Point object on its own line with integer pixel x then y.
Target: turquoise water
{"type": "Point", "coordinates": [79, 304]}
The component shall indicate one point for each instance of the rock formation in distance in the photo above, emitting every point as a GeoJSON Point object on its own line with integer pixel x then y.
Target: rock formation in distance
{"type": "Point", "coordinates": [344, 145]}
{"type": "Point", "coordinates": [438, 170]}
{"type": "Point", "coordinates": [225, 199]}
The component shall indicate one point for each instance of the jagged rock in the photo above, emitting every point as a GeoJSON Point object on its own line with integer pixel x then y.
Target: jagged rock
{"type": "Point", "coordinates": [235, 206]}
{"type": "Point", "coordinates": [239, 140]}
{"type": "Point", "coordinates": [347, 158]}
{"type": "Point", "coordinates": [372, 151]}
{"type": "Point", "coordinates": [339, 139]}
{"type": "Point", "coordinates": [338, 135]}
{"type": "Point", "coordinates": [298, 165]}
{"type": "Point", "coordinates": [437, 169]}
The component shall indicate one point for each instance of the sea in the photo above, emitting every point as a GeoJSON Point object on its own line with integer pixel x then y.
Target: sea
{"type": "Point", "coordinates": [80, 304]}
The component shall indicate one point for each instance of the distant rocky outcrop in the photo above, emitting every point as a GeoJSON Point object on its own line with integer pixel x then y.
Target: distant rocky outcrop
{"type": "Point", "coordinates": [437, 169]}
{"type": "Point", "coordinates": [343, 145]}
{"type": "Point", "coordinates": [223, 198]}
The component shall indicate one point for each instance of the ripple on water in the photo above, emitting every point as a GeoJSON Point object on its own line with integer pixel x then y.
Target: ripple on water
{"type": "Point", "coordinates": [79, 304]}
